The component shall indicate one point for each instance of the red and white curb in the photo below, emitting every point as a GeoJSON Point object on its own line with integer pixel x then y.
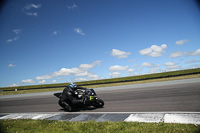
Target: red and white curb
{"type": "Point", "coordinates": [183, 118]}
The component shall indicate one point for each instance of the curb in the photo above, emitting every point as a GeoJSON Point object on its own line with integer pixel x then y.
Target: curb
{"type": "Point", "coordinates": [182, 118]}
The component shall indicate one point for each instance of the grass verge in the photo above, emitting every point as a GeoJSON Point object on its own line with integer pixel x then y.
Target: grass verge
{"type": "Point", "coordinates": [47, 126]}
{"type": "Point", "coordinates": [100, 85]}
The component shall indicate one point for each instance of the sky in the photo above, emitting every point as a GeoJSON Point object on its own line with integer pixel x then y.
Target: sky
{"type": "Point", "coordinates": [61, 41]}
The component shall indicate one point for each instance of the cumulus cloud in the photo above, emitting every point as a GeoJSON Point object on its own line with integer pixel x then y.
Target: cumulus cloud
{"type": "Point", "coordinates": [81, 71]}
{"type": "Point", "coordinates": [155, 70]}
{"type": "Point", "coordinates": [147, 64]}
{"type": "Point", "coordinates": [14, 85]}
{"type": "Point", "coordinates": [175, 54]}
{"type": "Point", "coordinates": [171, 65]}
{"type": "Point", "coordinates": [118, 68]}
{"type": "Point", "coordinates": [130, 70]}
{"type": "Point", "coordinates": [12, 39]}
{"type": "Point", "coordinates": [28, 81]}
{"type": "Point", "coordinates": [54, 81]}
{"type": "Point", "coordinates": [154, 50]}
{"type": "Point", "coordinates": [11, 65]}
{"type": "Point", "coordinates": [89, 66]}
{"type": "Point", "coordinates": [79, 79]}
{"type": "Point", "coordinates": [114, 74]}
{"type": "Point", "coordinates": [92, 76]}
{"type": "Point", "coordinates": [120, 54]}
{"type": "Point", "coordinates": [42, 81]}
{"type": "Point", "coordinates": [79, 31]}
{"type": "Point", "coordinates": [181, 42]}
{"type": "Point", "coordinates": [193, 53]}
{"type": "Point", "coordinates": [44, 77]}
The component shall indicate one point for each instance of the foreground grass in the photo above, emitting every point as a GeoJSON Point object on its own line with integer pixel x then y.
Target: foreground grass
{"type": "Point", "coordinates": [47, 126]}
{"type": "Point", "coordinates": [100, 85]}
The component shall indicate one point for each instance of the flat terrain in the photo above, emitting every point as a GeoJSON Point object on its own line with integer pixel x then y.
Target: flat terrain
{"type": "Point", "coordinates": [180, 96]}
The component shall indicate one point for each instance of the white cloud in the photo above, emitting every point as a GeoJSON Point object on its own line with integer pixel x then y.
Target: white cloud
{"type": "Point", "coordinates": [118, 68]}
{"type": "Point", "coordinates": [147, 64]}
{"type": "Point", "coordinates": [29, 9]}
{"type": "Point", "coordinates": [89, 66]}
{"type": "Point", "coordinates": [120, 54]}
{"type": "Point", "coordinates": [86, 66]}
{"type": "Point", "coordinates": [13, 85]}
{"type": "Point", "coordinates": [28, 81]}
{"type": "Point", "coordinates": [146, 51]}
{"type": "Point", "coordinates": [79, 79]}
{"type": "Point", "coordinates": [130, 70]}
{"type": "Point", "coordinates": [114, 74]}
{"type": "Point", "coordinates": [175, 54]}
{"type": "Point", "coordinates": [63, 72]}
{"type": "Point", "coordinates": [193, 53]}
{"type": "Point", "coordinates": [17, 31]}
{"type": "Point", "coordinates": [72, 6]}
{"type": "Point", "coordinates": [92, 76]}
{"type": "Point", "coordinates": [155, 70]}
{"type": "Point", "coordinates": [42, 81]}
{"type": "Point", "coordinates": [11, 65]}
{"type": "Point", "coordinates": [13, 39]}
{"type": "Point", "coordinates": [79, 31]}
{"type": "Point", "coordinates": [171, 65]}
{"type": "Point", "coordinates": [154, 50]}
{"type": "Point", "coordinates": [87, 75]}
{"type": "Point", "coordinates": [54, 81]}
{"type": "Point", "coordinates": [81, 71]}
{"type": "Point", "coordinates": [44, 77]}
{"type": "Point", "coordinates": [30, 6]}
{"type": "Point", "coordinates": [181, 42]}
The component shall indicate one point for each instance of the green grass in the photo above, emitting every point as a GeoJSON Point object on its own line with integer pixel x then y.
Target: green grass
{"type": "Point", "coordinates": [122, 79]}
{"type": "Point", "coordinates": [100, 85]}
{"type": "Point", "coordinates": [183, 74]}
{"type": "Point", "coordinates": [47, 126]}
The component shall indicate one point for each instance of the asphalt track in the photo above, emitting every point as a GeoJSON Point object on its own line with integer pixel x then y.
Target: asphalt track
{"type": "Point", "coordinates": [171, 96]}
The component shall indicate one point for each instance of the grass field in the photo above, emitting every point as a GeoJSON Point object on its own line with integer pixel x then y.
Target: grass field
{"type": "Point", "coordinates": [47, 126]}
{"type": "Point", "coordinates": [166, 76]}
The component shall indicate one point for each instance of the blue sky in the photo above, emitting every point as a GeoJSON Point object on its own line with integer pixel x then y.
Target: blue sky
{"type": "Point", "coordinates": [57, 41]}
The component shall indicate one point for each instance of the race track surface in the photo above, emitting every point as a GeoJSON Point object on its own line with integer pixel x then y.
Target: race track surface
{"type": "Point", "coordinates": [174, 96]}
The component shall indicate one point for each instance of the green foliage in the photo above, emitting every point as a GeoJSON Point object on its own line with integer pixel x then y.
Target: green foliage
{"type": "Point", "coordinates": [46, 126]}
